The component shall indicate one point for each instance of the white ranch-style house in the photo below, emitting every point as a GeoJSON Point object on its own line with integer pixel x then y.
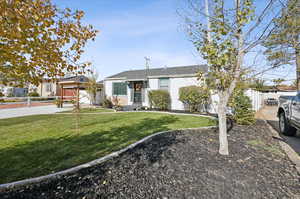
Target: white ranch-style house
{"type": "Point", "coordinates": [132, 87]}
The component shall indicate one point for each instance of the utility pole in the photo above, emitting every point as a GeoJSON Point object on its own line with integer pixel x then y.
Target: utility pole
{"type": "Point", "coordinates": [147, 61]}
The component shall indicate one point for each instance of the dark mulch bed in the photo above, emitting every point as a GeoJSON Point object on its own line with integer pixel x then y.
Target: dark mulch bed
{"type": "Point", "coordinates": [183, 165]}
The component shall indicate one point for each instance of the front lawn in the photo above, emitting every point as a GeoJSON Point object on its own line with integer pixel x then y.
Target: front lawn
{"type": "Point", "coordinates": [38, 145]}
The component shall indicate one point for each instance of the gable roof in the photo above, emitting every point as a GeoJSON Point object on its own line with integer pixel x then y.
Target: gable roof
{"type": "Point", "coordinates": [160, 72]}
{"type": "Point", "coordinates": [80, 78]}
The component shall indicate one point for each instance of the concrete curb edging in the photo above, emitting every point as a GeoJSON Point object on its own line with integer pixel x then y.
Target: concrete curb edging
{"type": "Point", "coordinates": [290, 152]}
{"type": "Point", "coordinates": [30, 181]}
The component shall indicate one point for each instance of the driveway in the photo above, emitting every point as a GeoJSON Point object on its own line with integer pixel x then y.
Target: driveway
{"type": "Point", "coordinates": [36, 110]}
{"type": "Point", "coordinates": [23, 104]}
{"type": "Point", "coordinates": [269, 113]}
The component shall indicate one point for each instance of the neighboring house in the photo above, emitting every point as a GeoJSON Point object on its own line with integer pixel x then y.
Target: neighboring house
{"type": "Point", "coordinates": [11, 91]}
{"type": "Point", "coordinates": [132, 87]}
{"type": "Point", "coordinates": [48, 88]}
{"type": "Point", "coordinates": [276, 91]}
{"type": "Point", "coordinates": [68, 86]}
{"type": "Point", "coordinates": [71, 86]}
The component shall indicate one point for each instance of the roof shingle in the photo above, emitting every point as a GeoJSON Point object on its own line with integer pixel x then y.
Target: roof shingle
{"type": "Point", "coordinates": [80, 78]}
{"type": "Point", "coordinates": [167, 72]}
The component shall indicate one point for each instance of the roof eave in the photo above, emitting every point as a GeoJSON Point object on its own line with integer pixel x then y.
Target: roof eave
{"type": "Point", "coordinates": [172, 76]}
{"type": "Point", "coordinates": [115, 78]}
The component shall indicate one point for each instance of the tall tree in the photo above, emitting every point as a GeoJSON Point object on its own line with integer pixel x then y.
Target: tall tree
{"type": "Point", "coordinates": [283, 46]}
{"type": "Point", "coordinates": [38, 39]}
{"type": "Point", "coordinates": [258, 84]}
{"type": "Point", "coordinates": [231, 32]}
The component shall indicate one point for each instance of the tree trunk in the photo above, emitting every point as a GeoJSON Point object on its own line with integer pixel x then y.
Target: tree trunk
{"type": "Point", "coordinates": [77, 97]}
{"type": "Point", "coordinates": [297, 52]}
{"type": "Point", "coordinates": [208, 20]}
{"type": "Point", "coordinates": [223, 148]}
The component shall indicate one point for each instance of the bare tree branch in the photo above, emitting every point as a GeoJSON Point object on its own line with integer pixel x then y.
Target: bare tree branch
{"type": "Point", "coordinates": [260, 18]}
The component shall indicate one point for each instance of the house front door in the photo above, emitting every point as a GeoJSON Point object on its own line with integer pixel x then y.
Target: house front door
{"type": "Point", "coordinates": [137, 92]}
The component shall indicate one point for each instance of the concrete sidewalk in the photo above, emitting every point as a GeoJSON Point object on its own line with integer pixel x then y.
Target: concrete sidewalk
{"type": "Point", "coordinates": [269, 113]}
{"type": "Point", "coordinates": [37, 110]}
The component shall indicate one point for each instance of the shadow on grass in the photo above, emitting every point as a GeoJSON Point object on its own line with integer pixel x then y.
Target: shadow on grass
{"type": "Point", "coordinates": [49, 155]}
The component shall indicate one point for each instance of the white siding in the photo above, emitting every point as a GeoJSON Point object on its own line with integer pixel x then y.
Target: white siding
{"type": "Point", "coordinates": [257, 98]}
{"type": "Point", "coordinates": [175, 85]}
{"type": "Point", "coordinates": [108, 89]}
{"type": "Point", "coordinates": [42, 89]}
{"type": "Point", "coordinates": [84, 97]}
{"type": "Point", "coordinates": [153, 85]}
{"type": "Point", "coordinates": [99, 96]}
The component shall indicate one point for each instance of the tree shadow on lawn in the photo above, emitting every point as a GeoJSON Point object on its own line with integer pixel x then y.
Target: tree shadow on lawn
{"type": "Point", "coordinates": [50, 155]}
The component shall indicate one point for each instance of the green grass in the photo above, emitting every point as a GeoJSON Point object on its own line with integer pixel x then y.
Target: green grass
{"type": "Point", "coordinates": [90, 110]}
{"type": "Point", "coordinates": [262, 145]}
{"type": "Point", "coordinates": [38, 145]}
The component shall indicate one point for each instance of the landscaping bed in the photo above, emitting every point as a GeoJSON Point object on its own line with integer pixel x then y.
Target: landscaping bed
{"type": "Point", "coordinates": [183, 165]}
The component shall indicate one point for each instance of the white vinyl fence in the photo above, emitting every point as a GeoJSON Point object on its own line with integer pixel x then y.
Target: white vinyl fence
{"type": "Point", "coordinates": [278, 94]}
{"type": "Point", "coordinates": [257, 98]}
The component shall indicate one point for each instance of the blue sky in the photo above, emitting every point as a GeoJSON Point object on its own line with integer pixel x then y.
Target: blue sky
{"type": "Point", "coordinates": [133, 29]}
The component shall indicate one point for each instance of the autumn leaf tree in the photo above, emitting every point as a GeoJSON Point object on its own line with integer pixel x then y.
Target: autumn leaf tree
{"type": "Point", "coordinates": [283, 45]}
{"type": "Point", "coordinates": [38, 39]}
{"type": "Point", "coordinates": [224, 33]}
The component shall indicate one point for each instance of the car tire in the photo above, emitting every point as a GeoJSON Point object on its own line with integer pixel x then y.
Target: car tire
{"type": "Point", "coordinates": [284, 127]}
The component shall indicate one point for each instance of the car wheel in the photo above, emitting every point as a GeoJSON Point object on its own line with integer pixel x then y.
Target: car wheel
{"type": "Point", "coordinates": [285, 127]}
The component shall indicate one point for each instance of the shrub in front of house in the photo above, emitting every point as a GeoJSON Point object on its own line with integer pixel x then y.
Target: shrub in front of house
{"type": "Point", "coordinates": [159, 99]}
{"type": "Point", "coordinates": [242, 107]}
{"type": "Point", "coordinates": [194, 97]}
{"type": "Point", "coordinates": [1, 95]}
{"type": "Point", "coordinates": [107, 103]}
{"type": "Point", "coordinates": [33, 94]}
{"type": "Point", "coordinates": [10, 94]}
{"type": "Point", "coordinates": [116, 102]}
